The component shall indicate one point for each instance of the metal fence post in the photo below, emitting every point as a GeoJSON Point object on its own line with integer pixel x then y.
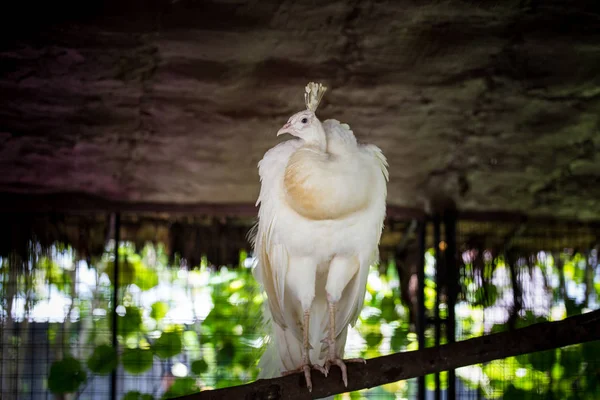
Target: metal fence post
{"type": "Point", "coordinates": [421, 322]}
{"type": "Point", "coordinates": [115, 300]}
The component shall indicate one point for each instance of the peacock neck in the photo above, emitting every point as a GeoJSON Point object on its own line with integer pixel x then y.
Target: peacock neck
{"type": "Point", "coordinates": [317, 139]}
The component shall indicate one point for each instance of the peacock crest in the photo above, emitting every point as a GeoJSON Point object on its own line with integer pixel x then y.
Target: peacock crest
{"type": "Point", "coordinates": [314, 94]}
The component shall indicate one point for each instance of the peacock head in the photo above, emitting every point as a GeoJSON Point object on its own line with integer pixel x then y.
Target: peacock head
{"type": "Point", "coordinates": [305, 124]}
{"type": "Point", "coordinates": [301, 125]}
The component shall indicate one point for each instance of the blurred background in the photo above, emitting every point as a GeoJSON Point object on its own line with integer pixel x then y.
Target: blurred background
{"type": "Point", "coordinates": [130, 131]}
{"type": "Point", "coordinates": [188, 310]}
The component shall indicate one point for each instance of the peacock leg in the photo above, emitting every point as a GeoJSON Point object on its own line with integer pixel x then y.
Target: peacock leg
{"type": "Point", "coordinates": [306, 364]}
{"type": "Point", "coordinates": [342, 270]}
{"type": "Point", "coordinates": [332, 357]}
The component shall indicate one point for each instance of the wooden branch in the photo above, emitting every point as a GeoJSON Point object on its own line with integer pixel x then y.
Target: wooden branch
{"type": "Point", "coordinates": [400, 366]}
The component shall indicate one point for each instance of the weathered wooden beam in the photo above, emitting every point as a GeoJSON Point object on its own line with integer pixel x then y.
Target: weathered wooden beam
{"type": "Point", "coordinates": [86, 203]}
{"type": "Point", "coordinates": [401, 366]}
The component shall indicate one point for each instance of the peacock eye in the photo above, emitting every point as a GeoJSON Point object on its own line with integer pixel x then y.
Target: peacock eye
{"type": "Point", "coordinates": [304, 120]}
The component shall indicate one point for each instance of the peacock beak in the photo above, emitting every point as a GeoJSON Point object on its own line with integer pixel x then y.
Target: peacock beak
{"type": "Point", "coordinates": [285, 129]}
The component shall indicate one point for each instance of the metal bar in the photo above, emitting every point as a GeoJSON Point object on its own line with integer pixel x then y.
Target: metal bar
{"type": "Point", "coordinates": [438, 282]}
{"type": "Point", "coordinates": [452, 288]}
{"type": "Point", "coordinates": [421, 301]}
{"type": "Point", "coordinates": [115, 300]}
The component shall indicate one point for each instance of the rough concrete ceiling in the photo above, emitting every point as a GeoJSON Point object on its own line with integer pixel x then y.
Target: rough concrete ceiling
{"type": "Point", "coordinates": [495, 105]}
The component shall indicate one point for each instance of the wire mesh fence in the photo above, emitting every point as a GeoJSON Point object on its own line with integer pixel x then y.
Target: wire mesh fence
{"type": "Point", "coordinates": [184, 326]}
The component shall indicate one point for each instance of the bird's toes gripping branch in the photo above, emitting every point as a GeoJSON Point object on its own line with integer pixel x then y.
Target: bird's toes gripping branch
{"type": "Point", "coordinates": [306, 367]}
{"type": "Point", "coordinates": [342, 364]}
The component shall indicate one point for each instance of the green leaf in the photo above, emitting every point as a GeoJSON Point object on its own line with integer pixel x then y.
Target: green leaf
{"type": "Point", "coordinates": [145, 278]}
{"type": "Point", "coordinates": [55, 274]}
{"type": "Point", "coordinates": [226, 354]}
{"type": "Point", "coordinates": [66, 375]}
{"type": "Point", "coordinates": [497, 328]}
{"type": "Point", "coordinates": [199, 367]}
{"type": "Point", "coordinates": [485, 295]}
{"type": "Point", "coordinates": [591, 351]}
{"type": "Point", "coordinates": [168, 345]}
{"type": "Point", "coordinates": [543, 360]}
{"type": "Point", "coordinates": [126, 272]}
{"type": "Point", "coordinates": [388, 309]}
{"type": "Point", "coordinates": [373, 339]}
{"type": "Point", "coordinates": [131, 322]}
{"type": "Point", "coordinates": [191, 343]}
{"type": "Point", "coordinates": [399, 339]}
{"type": "Point", "coordinates": [246, 359]}
{"type": "Point", "coordinates": [103, 360]}
{"type": "Point", "coordinates": [571, 359]}
{"type": "Point", "coordinates": [512, 393]}
{"type": "Point", "coordinates": [135, 395]}
{"type": "Point", "coordinates": [159, 310]}
{"type": "Point", "coordinates": [137, 361]}
{"type": "Point", "coordinates": [181, 387]}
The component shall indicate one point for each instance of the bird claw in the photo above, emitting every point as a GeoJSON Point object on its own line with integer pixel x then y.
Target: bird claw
{"type": "Point", "coordinates": [306, 369]}
{"type": "Point", "coordinates": [342, 364]}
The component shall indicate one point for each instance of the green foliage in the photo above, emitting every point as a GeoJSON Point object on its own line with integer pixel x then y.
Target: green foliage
{"type": "Point", "coordinates": [388, 309]}
{"type": "Point", "coordinates": [132, 270]}
{"type": "Point", "coordinates": [399, 338]}
{"type": "Point", "coordinates": [226, 353]}
{"type": "Point", "coordinates": [66, 376]}
{"type": "Point", "coordinates": [199, 367]}
{"type": "Point", "coordinates": [225, 341]}
{"type": "Point", "coordinates": [373, 339]}
{"type": "Point", "coordinates": [543, 360]}
{"type": "Point", "coordinates": [135, 395]}
{"type": "Point", "coordinates": [137, 361]}
{"type": "Point", "coordinates": [181, 387]}
{"type": "Point", "coordinates": [54, 274]}
{"type": "Point", "coordinates": [130, 323]}
{"type": "Point", "coordinates": [168, 345]}
{"type": "Point", "coordinates": [159, 310]}
{"type": "Point", "coordinates": [103, 360]}
{"type": "Point", "coordinates": [485, 295]}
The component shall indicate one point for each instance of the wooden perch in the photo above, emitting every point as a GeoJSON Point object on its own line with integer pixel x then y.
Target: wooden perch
{"type": "Point", "coordinates": [400, 366]}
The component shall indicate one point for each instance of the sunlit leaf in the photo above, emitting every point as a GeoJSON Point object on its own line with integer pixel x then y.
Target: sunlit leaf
{"type": "Point", "coordinates": [126, 272]}
{"type": "Point", "coordinates": [145, 278]}
{"type": "Point", "coordinates": [159, 310]}
{"type": "Point", "coordinates": [66, 375]}
{"type": "Point", "coordinates": [191, 343]}
{"type": "Point", "coordinates": [137, 361]}
{"type": "Point", "coordinates": [55, 275]}
{"type": "Point", "coordinates": [103, 360]}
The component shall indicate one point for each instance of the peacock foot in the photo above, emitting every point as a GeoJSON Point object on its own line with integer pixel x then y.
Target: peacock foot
{"type": "Point", "coordinates": [306, 369]}
{"type": "Point", "coordinates": [342, 364]}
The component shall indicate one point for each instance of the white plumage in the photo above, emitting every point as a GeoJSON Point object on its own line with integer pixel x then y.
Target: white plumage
{"type": "Point", "coordinates": [322, 206]}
